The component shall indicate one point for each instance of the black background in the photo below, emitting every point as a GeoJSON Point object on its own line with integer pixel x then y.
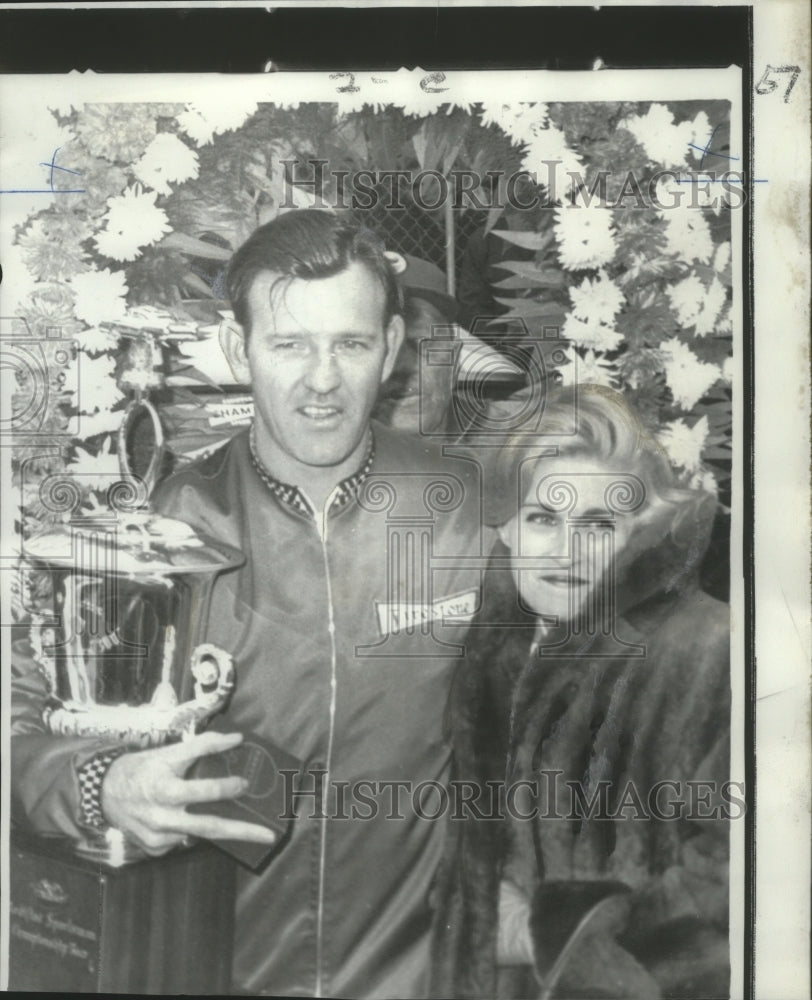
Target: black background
{"type": "Point", "coordinates": [324, 38]}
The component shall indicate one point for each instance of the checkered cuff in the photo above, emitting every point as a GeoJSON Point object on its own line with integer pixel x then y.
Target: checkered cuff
{"type": "Point", "coordinates": [91, 776]}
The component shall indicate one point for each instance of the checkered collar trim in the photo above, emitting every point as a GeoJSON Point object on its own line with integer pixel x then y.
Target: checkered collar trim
{"type": "Point", "coordinates": [291, 496]}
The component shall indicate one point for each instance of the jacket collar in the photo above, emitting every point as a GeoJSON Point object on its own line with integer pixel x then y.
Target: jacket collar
{"type": "Point", "coordinates": [293, 498]}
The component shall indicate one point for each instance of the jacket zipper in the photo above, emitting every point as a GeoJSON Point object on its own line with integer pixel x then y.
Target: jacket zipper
{"type": "Point", "coordinates": [321, 528]}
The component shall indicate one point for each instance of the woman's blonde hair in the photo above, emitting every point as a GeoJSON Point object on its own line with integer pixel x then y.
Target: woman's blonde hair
{"type": "Point", "coordinates": [583, 420]}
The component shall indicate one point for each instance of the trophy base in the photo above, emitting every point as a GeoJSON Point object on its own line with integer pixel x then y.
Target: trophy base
{"type": "Point", "coordinates": [164, 925]}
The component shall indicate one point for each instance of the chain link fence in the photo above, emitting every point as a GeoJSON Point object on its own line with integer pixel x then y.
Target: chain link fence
{"type": "Point", "coordinates": [436, 235]}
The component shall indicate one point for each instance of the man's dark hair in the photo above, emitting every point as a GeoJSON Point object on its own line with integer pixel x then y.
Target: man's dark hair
{"type": "Point", "coordinates": [309, 244]}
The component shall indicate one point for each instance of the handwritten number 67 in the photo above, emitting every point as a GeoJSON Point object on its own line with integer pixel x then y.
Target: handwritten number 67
{"type": "Point", "coordinates": [766, 85]}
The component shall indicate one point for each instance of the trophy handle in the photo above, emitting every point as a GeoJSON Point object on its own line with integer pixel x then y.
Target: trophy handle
{"type": "Point", "coordinates": [163, 718]}
{"type": "Point", "coordinates": [141, 402]}
{"type": "Point", "coordinates": [213, 671]}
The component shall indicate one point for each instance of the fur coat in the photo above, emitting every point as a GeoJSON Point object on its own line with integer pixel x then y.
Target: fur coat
{"type": "Point", "coordinates": [623, 755]}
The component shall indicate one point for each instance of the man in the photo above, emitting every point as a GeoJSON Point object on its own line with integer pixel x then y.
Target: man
{"type": "Point", "coordinates": [437, 359]}
{"type": "Point", "coordinates": [417, 395]}
{"type": "Point", "coordinates": [345, 625]}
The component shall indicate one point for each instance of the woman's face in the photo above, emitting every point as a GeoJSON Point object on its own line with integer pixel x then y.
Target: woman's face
{"type": "Point", "coordinates": [562, 537]}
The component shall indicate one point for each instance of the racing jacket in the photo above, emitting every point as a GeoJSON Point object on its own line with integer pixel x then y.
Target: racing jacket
{"type": "Point", "coordinates": [345, 627]}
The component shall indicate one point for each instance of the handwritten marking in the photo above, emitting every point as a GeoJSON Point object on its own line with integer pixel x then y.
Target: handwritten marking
{"type": "Point", "coordinates": [349, 88]}
{"type": "Point", "coordinates": [706, 150]}
{"type": "Point", "coordinates": [52, 165]}
{"type": "Point", "coordinates": [718, 180]}
{"type": "Point", "coordinates": [766, 86]}
{"type": "Point", "coordinates": [426, 84]}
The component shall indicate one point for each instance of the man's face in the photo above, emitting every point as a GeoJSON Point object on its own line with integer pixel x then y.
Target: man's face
{"type": "Point", "coordinates": [317, 352]}
{"type": "Point", "coordinates": [413, 399]}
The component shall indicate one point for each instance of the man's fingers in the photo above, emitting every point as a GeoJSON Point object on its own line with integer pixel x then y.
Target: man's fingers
{"type": "Point", "coordinates": [217, 828]}
{"type": "Point", "coordinates": [154, 842]}
{"type": "Point", "coordinates": [208, 789]}
{"type": "Point", "coordinates": [184, 753]}
{"type": "Point", "coordinates": [157, 845]}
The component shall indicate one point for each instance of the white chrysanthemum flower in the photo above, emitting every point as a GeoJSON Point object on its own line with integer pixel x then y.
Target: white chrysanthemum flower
{"type": "Point", "coordinates": [684, 444]}
{"type": "Point", "coordinates": [688, 192]}
{"type": "Point", "coordinates": [166, 161]}
{"type": "Point", "coordinates": [588, 367]}
{"type": "Point", "coordinates": [668, 192]}
{"type": "Point", "coordinates": [48, 309]}
{"type": "Point", "coordinates": [596, 300]}
{"type": "Point", "coordinates": [133, 221]}
{"type": "Point", "coordinates": [686, 299]}
{"type": "Point", "coordinates": [104, 422]}
{"type": "Point", "coordinates": [700, 135]}
{"type": "Point", "coordinates": [203, 119]}
{"type": "Point", "coordinates": [421, 102]}
{"type": "Point", "coordinates": [100, 296]}
{"type": "Point", "coordinates": [520, 120]}
{"type": "Point", "coordinates": [712, 305]}
{"type": "Point", "coordinates": [96, 470]}
{"type": "Point", "coordinates": [725, 322]}
{"type": "Point", "coordinates": [469, 107]}
{"type": "Point", "coordinates": [117, 131]}
{"type": "Point", "coordinates": [722, 257]}
{"type": "Point", "coordinates": [594, 369]}
{"type": "Point", "coordinates": [688, 235]}
{"type": "Point", "coordinates": [585, 237]}
{"type": "Point", "coordinates": [705, 480]}
{"type": "Point", "coordinates": [663, 141]}
{"type": "Point", "coordinates": [349, 101]}
{"type": "Point", "coordinates": [687, 377]}
{"type": "Point", "coordinates": [588, 334]}
{"type": "Point", "coordinates": [51, 252]}
{"type": "Point", "coordinates": [549, 146]}
{"type": "Point", "coordinates": [95, 340]}
{"type": "Point", "coordinates": [696, 305]}
{"type": "Point", "coordinates": [18, 281]}
{"type": "Point", "coordinates": [703, 192]}
{"type": "Point", "coordinates": [98, 389]}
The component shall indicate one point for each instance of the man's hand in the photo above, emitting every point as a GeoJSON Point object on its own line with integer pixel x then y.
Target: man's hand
{"type": "Point", "coordinates": [145, 796]}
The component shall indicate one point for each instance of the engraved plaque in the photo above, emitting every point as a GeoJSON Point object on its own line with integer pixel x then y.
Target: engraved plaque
{"type": "Point", "coordinates": [158, 926]}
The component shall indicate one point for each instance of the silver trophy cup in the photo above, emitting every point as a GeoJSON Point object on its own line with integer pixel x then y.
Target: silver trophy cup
{"type": "Point", "coordinates": [125, 654]}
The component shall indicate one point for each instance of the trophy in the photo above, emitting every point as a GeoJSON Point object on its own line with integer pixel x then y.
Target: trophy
{"type": "Point", "coordinates": [126, 660]}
